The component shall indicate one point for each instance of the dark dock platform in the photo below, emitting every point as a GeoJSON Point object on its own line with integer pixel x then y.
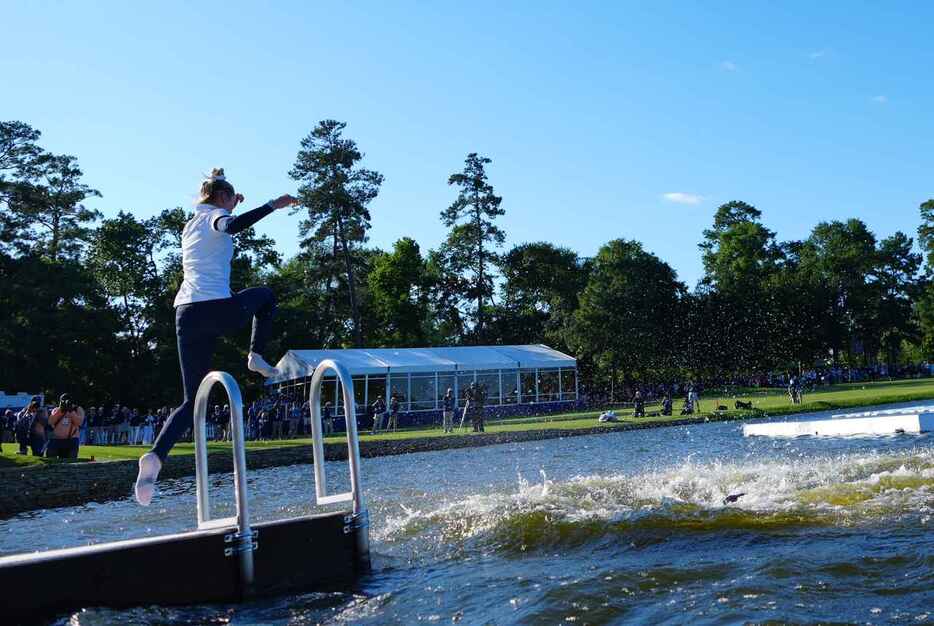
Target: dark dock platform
{"type": "Point", "coordinates": [222, 560]}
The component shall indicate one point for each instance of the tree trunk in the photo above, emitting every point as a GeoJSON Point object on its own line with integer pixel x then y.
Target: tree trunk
{"type": "Point", "coordinates": [131, 326]}
{"type": "Point", "coordinates": [479, 228]}
{"type": "Point", "coordinates": [351, 287]}
{"type": "Point", "coordinates": [56, 236]}
{"type": "Point", "coordinates": [152, 264]}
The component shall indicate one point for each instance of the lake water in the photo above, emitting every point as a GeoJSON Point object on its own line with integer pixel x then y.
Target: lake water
{"type": "Point", "coordinates": [616, 528]}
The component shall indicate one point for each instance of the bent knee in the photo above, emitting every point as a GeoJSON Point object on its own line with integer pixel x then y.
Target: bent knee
{"type": "Point", "coordinates": [266, 296]}
{"type": "Point", "coordinates": [269, 297]}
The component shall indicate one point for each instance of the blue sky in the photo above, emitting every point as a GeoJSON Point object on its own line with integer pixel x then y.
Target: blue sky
{"type": "Point", "coordinates": [594, 113]}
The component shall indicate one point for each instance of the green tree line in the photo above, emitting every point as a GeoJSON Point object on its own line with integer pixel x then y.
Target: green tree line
{"type": "Point", "coordinates": [86, 304]}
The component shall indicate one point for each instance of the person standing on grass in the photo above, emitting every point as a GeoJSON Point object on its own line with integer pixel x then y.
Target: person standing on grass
{"type": "Point", "coordinates": [117, 428]}
{"type": "Point", "coordinates": [480, 408]}
{"type": "Point", "coordinates": [103, 431]}
{"type": "Point", "coordinates": [447, 403]}
{"type": "Point", "coordinates": [6, 423]}
{"type": "Point", "coordinates": [121, 425]}
{"type": "Point", "coordinates": [7, 414]}
{"type": "Point", "coordinates": [327, 418]}
{"type": "Point", "coordinates": [206, 310]}
{"type": "Point", "coordinates": [466, 411]}
{"type": "Point", "coordinates": [295, 418]}
{"type": "Point", "coordinates": [473, 402]}
{"type": "Point", "coordinates": [99, 425]}
{"type": "Point", "coordinates": [136, 424]}
{"type": "Point", "coordinates": [638, 405]}
{"type": "Point", "coordinates": [278, 417]}
{"type": "Point", "coordinates": [393, 412]}
{"type": "Point", "coordinates": [95, 421]}
{"type": "Point", "coordinates": [209, 420]}
{"type": "Point", "coordinates": [694, 399]}
{"type": "Point", "coordinates": [83, 432]}
{"type": "Point", "coordinates": [225, 424]}
{"type": "Point", "coordinates": [21, 432]}
{"type": "Point", "coordinates": [472, 397]}
{"type": "Point", "coordinates": [123, 428]}
{"type": "Point", "coordinates": [223, 419]}
{"type": "Point", "coordinates": [90, 421]}
{"type": "Point", "coordinates": [65, 421]}
{"type": "Point", "coordinates": [113, 430]}
{"type": "Point", "coordinates": [149, 421]}
{"type": "Point", "coordinates": [379, 412]}
{"type": "Point", "coordinates": [213, 423]}
{"type": "Point", "coordinates": [306, 416]}
{"type": "Point", "coordinates": [30, 427]}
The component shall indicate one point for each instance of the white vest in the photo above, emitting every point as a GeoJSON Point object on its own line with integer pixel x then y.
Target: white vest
{"type": "Point", "coordinates": [206, 256]}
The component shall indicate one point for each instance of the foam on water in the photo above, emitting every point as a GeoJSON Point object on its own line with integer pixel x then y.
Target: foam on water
{"type": "Point", "coordinates": [841, 490]}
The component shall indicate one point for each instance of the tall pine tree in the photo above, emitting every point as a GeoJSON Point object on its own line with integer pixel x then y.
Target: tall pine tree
{"type": "Point", "coordinates": [468, 251]}
{"type": "Point", "coordinates": [336, 191]}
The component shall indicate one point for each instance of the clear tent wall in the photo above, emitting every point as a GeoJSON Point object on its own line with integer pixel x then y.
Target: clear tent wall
{"type": "Point", "coordinates": [424, 392]}
{"type": "Point", "coordinates": [550, 386]}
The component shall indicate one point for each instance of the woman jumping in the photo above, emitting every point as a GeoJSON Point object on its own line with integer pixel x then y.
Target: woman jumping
{"type": "Point", "coordinates": [205, 310]}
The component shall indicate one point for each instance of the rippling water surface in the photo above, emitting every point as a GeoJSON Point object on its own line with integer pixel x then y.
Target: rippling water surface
{"type": "Point", "coordinates": [626, 527]}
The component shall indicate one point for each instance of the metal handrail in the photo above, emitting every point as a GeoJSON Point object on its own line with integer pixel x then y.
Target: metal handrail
{"type": "Point", "coordinates": [243, 541]}
{"type": "Point", "coordinates": [355, 495]}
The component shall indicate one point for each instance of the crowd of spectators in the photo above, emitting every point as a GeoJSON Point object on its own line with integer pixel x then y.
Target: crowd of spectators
{"type": "Point", "coordinates": [794, 383]}
{"type": "Point", "coordinates": [277, 416]}
{"type": "Point", "coordinates": [817, 377]}
{"type": "Point", "coordinates": [638, 395]}
{"type": "Point", "coordinates": [59, 430]}
{"type": "Point", "coordinates": [119, 424]}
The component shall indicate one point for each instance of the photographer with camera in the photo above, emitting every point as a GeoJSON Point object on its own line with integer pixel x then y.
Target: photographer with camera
{"type": "Point", "coordinates": [65, 422]}
{"type": "Point", "coordinates": [6, 422]}
{"type": "Point", "coordinates": [30, 427]}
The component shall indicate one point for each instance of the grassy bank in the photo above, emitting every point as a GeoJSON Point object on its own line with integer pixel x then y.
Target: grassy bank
{"type": "Point", "coordinates": [770, 402]}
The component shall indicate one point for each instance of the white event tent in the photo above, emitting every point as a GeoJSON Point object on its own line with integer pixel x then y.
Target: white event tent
{"type": "Point", "coordinates": [420, 376]}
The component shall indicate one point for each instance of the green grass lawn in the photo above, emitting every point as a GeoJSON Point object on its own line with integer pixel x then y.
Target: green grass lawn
{"type": "Point", "coordinates": [772, 402]}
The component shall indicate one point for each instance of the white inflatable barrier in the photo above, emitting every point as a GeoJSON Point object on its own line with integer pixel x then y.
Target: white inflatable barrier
{"type": "Point", "coordinates": [888, 422]}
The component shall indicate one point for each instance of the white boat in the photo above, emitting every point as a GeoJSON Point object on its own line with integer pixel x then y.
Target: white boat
{"type": "Point", "coordinates": [918, 419]}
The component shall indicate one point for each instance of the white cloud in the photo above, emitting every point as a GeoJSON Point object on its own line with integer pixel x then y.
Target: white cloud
{"type": "Point", "coordinates": [682, 198]}
{"type": "Point", "coordinates": [880, 99]}
{"type": "Point", "coordinates": [728, 66]}
{"type": "Point", "coordinates": [817, 54]}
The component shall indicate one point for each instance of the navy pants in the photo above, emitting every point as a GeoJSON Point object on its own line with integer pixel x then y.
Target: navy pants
{"type": "Point", "coordinates": [37, 443]}
{"type": "Point", "coordinates": [23, 440]}
{"type": "Point", "coordinates": [198, 326]}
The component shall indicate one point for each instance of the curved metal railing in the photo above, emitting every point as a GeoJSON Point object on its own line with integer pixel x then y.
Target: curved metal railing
{"type": "Point", "coordinates": [241, 543]}
{"type": "Point", "coordinates": [355, 495]}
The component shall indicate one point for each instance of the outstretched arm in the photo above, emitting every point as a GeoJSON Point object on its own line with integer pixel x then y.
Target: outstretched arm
{"type": "Point", "coordinates": [233, 224]}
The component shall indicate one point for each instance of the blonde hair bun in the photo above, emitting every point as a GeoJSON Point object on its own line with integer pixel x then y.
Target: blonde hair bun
{"type": "Point", "coordinates": [214, 184]}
